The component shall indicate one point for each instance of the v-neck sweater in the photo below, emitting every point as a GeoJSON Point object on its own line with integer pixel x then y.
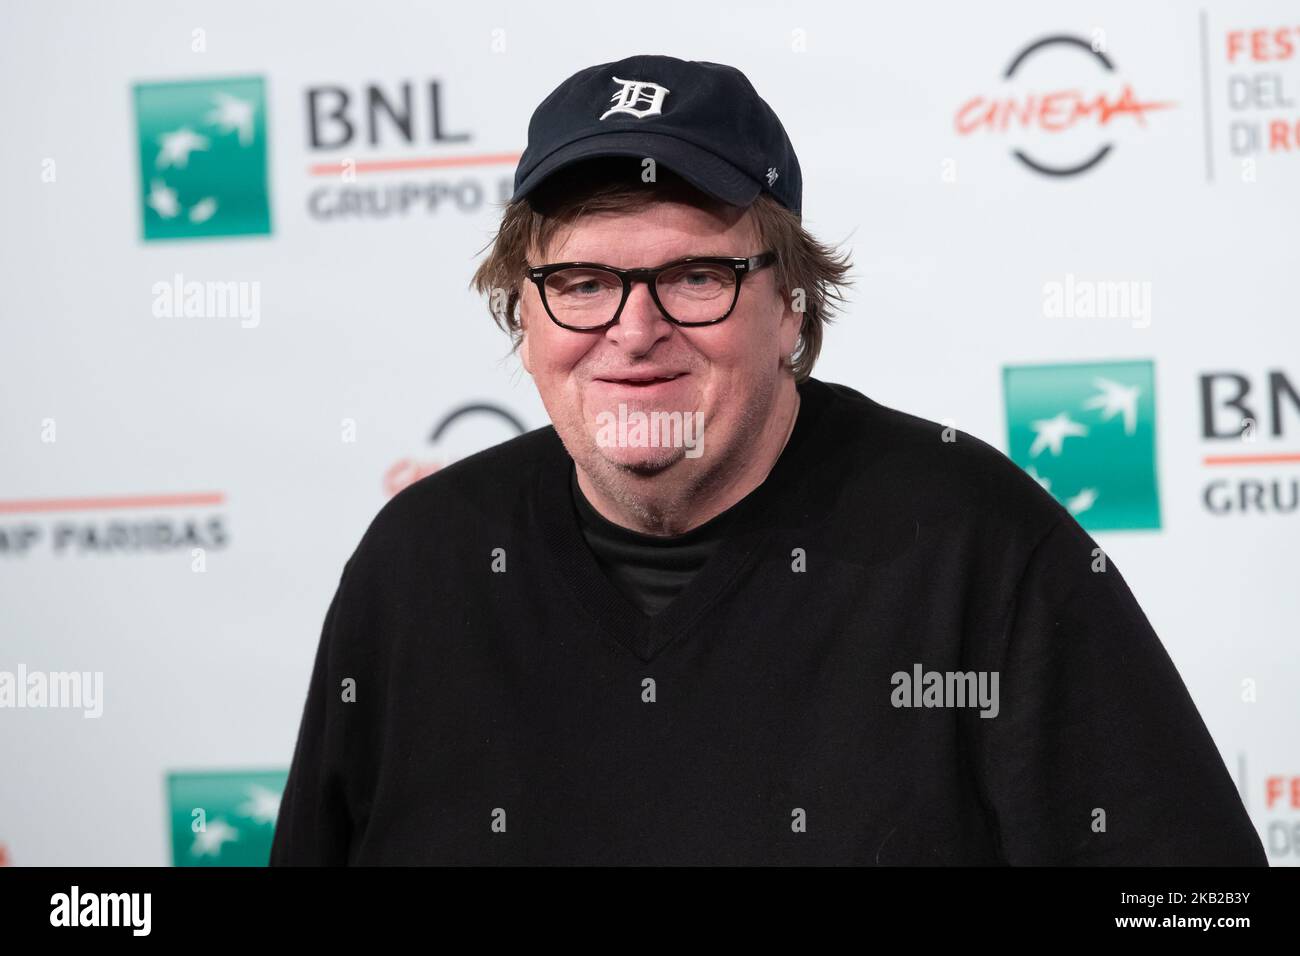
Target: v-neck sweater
{"type": "Point", "coordinates": [650, 570]}
{"type": "Point", "coordinates": [482, 693]}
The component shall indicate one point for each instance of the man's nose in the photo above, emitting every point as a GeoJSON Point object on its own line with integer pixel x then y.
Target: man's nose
{"type": "Point", "coordinates": [641, 324]}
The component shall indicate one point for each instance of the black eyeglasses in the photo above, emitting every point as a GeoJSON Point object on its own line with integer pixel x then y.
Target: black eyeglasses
{"type": "Point", "coordinates": [696, 290]}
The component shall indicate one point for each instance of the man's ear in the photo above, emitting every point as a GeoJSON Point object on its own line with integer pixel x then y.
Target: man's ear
{"type": "Point", "coordinates": [791, 324]}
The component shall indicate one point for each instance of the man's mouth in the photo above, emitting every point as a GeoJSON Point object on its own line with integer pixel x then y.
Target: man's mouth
{"type": "Point", "coordinates": [641, 379]}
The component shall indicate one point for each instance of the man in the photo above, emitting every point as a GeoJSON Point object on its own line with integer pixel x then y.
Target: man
{"type": "Point", "coordinates": [721, 612]}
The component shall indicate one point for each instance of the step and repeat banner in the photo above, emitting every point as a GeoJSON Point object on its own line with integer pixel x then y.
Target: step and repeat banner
{"type": "Point", "coordinates": [236, 319]}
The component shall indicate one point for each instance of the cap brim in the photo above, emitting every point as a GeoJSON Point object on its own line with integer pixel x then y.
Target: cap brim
{"type": "Point", "coordinates": [702, 169]}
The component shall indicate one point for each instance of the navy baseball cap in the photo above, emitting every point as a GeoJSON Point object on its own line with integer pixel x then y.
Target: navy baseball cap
{"type": "Point", "coordinates": [704, 121]}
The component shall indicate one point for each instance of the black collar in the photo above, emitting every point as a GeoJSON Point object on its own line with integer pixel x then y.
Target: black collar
{"type": "Point", "coordinates": [782, 499]}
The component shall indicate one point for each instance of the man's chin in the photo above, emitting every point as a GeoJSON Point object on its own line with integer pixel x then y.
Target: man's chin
{"type": "Point", "coordinates": [642, 462]}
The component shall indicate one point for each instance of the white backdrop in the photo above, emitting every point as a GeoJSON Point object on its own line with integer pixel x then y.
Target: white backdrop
{"type": "Point", "coordinates": [367, 335]}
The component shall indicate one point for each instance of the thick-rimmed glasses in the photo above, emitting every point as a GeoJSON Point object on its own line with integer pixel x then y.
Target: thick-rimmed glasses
{"type": "Point", "coordinates": [696, 290]}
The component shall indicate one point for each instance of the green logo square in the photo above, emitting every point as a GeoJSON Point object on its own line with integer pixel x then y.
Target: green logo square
{"type": "Point", "coordinates": [224, 818]}
{"type": "Point", "coordinates": [203, 158]}
{"type": "Point", "coordinates": [1087, 433]}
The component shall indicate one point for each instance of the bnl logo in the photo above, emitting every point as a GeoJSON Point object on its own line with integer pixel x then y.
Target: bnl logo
{"type": "Point", "coordinates": [1087, 434]}
{"type": "Point", "coordinates": [203, 167]}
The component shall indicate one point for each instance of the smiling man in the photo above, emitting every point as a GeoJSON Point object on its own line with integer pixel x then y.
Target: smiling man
{"type": "Point", "coordinates": [705, 338]}
{"type": "Point", "coordinates": [829, 632]}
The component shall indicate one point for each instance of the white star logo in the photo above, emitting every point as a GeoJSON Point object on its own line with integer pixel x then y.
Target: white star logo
{"type": "Point", "coordinates": [177, 146]}
{"type": "Point", "coordinates": [203, 210]}
{"type": "Point", "coordinates": [162, 200]}
{"type": "Point", "coordinates": [262, 805]}
{"type": "Point", "coordinates": [1052, 432]}
{"type": "Point", "coordinates": [208, 842]}
{"type": "Point", "coordinates": [233, 114]}
{"type": "Point", "coordinates": [1082, 501]}
{"type": "Point", "coordinates": [1115, 398]}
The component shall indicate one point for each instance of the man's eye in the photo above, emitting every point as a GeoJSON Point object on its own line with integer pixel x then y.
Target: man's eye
{"type": "Point", "coordinates": [587, 287]}
{"type": "Point", "coordinates": [696, 279]}
{"type": "Point", "coordinates": [579, 285]}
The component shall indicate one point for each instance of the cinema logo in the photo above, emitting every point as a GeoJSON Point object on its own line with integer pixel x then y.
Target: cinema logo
{"type": "Point", "coordinates": [1062, 101]}
{"type": "Point", "coordinates": [460, 433]}
{"type": "Point", "coordinates": [638, 429]}
{"type": "Point", "coordinates": [1250, 424]}
{"type": "Point", "coordinates": [922, 688]}
{"type": "Point", "coordinates": [362, 136]}
{"type": "Point", "coordinates": [75, 908]}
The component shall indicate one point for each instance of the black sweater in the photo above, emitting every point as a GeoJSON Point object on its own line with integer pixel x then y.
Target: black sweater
{"type": "Point", "coordinates": [483, 694]}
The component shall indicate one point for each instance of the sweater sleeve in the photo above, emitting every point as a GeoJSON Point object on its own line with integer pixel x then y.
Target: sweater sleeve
{"type": "Point", "coordinates": [1098, 755]}
{"type": "Point", "coordinates": [313, 826]}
